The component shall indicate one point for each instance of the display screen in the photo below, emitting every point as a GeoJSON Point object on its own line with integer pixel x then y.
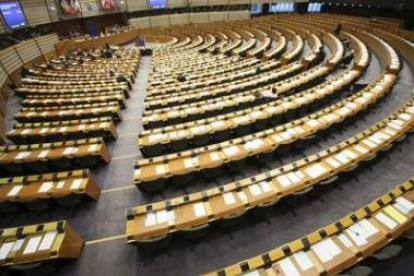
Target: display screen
{"type": "Point", "coordinates": [157, 4]}
{"type": "Point", "coordinates": [282, 7]}
{"type": "Point", "coordinates": [315, 7]}
{"type": "Point", "coordinates": [256, 8]}
{"type": "Point", "coordinates": [12, 14]}
{"type": "Point", "coordinates": [110, 5]}
{"type": "Point", "coordinates": [69, 7]}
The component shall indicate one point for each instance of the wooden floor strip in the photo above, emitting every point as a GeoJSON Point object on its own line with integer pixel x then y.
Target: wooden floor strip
{"type": "Point", "coordinates": [113, 238]}
{"type": "Point", "coordinates": [123, 188]}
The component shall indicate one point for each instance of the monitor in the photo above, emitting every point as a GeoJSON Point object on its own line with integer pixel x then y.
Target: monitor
{"type": "Point", "coordinates": [12, 15]}
{"type": "Point", "coordinates": [158, 4]}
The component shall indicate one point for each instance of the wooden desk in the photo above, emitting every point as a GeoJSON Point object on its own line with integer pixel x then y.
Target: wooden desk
{"type": "Point", "coordinates": [39, 243]}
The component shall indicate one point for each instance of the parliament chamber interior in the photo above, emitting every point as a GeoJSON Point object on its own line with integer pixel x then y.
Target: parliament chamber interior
{"type": "Point", "coordinates": [206, 137]}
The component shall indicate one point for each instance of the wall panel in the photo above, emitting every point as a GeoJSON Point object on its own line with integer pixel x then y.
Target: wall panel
{"type": "Point", "coordinates": [53, 10]}
{"type": "Point", "coordinates": [219, 2]}
{"type": "Point", "coordinates": [47, 43]}
{"type": "Point", "coordinates": [239, 15]}
{"type": "Point", "coordinates": [196, 3]}
{"type": "Point", "coordinates": [218, 16]}
{"type": "Point", "coordinates": [36, 12]}
{"type": "Point", "coordinates": [10, 59]}
{"type": "Point", "coordinates": [177, 19]}
{"type": "Point", "coordinates": [3, 28]}
{"type": "Point", "coordinates": [28, 50]}
{"type": "Point", "coordinates": [199, 17]}
{"type": "Point", "coordinates": [137, 5]}
{"type": "Point", "coordinates": [142, 22]}
{"type": "Point", "coordinates": [177, 3]}
{"type": "Point", "coordinates": [160, 20]}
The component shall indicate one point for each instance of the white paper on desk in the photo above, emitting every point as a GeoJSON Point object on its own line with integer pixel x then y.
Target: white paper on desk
{"type": "Point", "coordinates": [160, 169]}
{"type": "Point", "coordinates": [285, 135]}
{"type": "Point", "coordinates": [357, 228]}
{"type": "Point", "coordinates": [333, 248]}
{"type": "Point", "coordinates": [22, 155]}
{"type": "Point", "coordinates": [405, 116]}
{"type": "Point", "coordinates": [45, 187]}
{"type": "Point", "coordinates": [214, 156]}
{"type": "Point", "coordinates": [18, 245]}
{"type": "Point", "coordinates": [243, 197]}
{"type": "Point", "coordinates": [293, 177]}
{"type": "Point", "coordinates": [162, 216]}
{"type": "Point", "coordinates": [76, 184]}
{"type": "Point", "coordinates": [43, 154]}
{"type": "Point", "coordinates": [63, 129]}
{"type": "Point", "coordinates": [60, 185]}
{"type": "Point", "coordinates": [48, 240]}
{"type": "Point", "coordinates": [43, 130]}
{"type": "Point", "coordinates": [217, 124]}
{"type": "Point", "coordinates": [25, 131]}
{"type": "Point", "coordinates": [266, 187]}
{"type": "Point", "coordinates": [251, 273]}
{"type": "Point", "coordinates": [171, 217]}
{"type": "Point", "coordinates": [322, 252]}
{"type": "Point", "coordinates": [382, 135]}
{"type": "Point", "coordinates": [390, 131]}
{"type": "Point", "coordinates": [344, 239]}
{"type": "Point", "coordinates": [150, 220]}
{"type": "Point", "coordinates": [229, 198]}
{"type": "Point", "coordinates": [303, 260]}
{"type": "Point", "coordinates": [299, 129]}
{"type": "Point", "coordinates": [405, 203]}
{"type": "Point", "coordinates": [70, 150]}
{"type": "Point", "coordinates": [231, 150]}
{"type": "Point", "coordinates": [357, 238]}
{"type": "Point", "coordinates": [342, 158]}
{"type": "Point", "coordinates": [93, 148]}
{"type": "Point", "coordinates": [283, 180]}
{"type": "Point", "coordinates": [398, 122]}
{"type": "Point", "coordinates": [256, 114]}
{"type": "Point", "coordinates": [386, 220]}
{"type": "Point", "coordinates": [360, 149]}
{"type": "Point", "coordinates": [155, 137]}
{"type": "Point", "coordinates": [401, 208]}
{"type": "Point", "coordinates": [32, 245]}
{"type": "Point", "coordinates": [81, 127]}
{"type": "Point", "coordinates": [188, 163]}
{"type": "Point", "coordinates": [349, 154]}
{"type": "Point", "coordinates": [277, 138]}
{"type": "Point", "coordinates": [15, 190]}
{"type": "Point", "coordinates": [291, 131]}
{"type": "Point", "coordinates": [312, 123]}
{"type": "Point", "coordinates": [199, 209]}
{"type": "Point", "coordinates": [288, 267]}
{"type": "Point", "coordinates": [368, 227]}
{"type": "Point", "coordinates": [369, 143]}
{"type": "Point", "coordinates": [5, 249]}
{"type": "Point", "coordinates": [333, 162]}
{"type": "Point", "coordinates": [343, 111]}
{"type": "Point", "coordinates": [255, 189]}
{"type": "Point", "coordinates": [316, 170]}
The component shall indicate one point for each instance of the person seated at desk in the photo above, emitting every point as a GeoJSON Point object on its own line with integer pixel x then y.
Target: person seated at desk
{"type": "Point", "coordinates": [258, 70]}
{"type": "Point", "coordinates": [181, 77]}
{"type": "Point", "coordinates": [121, 78]}
{"type": "Point", "coordinates": [107, 54]}
{"type": "Point", "coordinates": [270, 93]}
{"type": "Point", "coordinates": [25, 72]}
{"type": "Point", "coordinates": [338, 29]}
